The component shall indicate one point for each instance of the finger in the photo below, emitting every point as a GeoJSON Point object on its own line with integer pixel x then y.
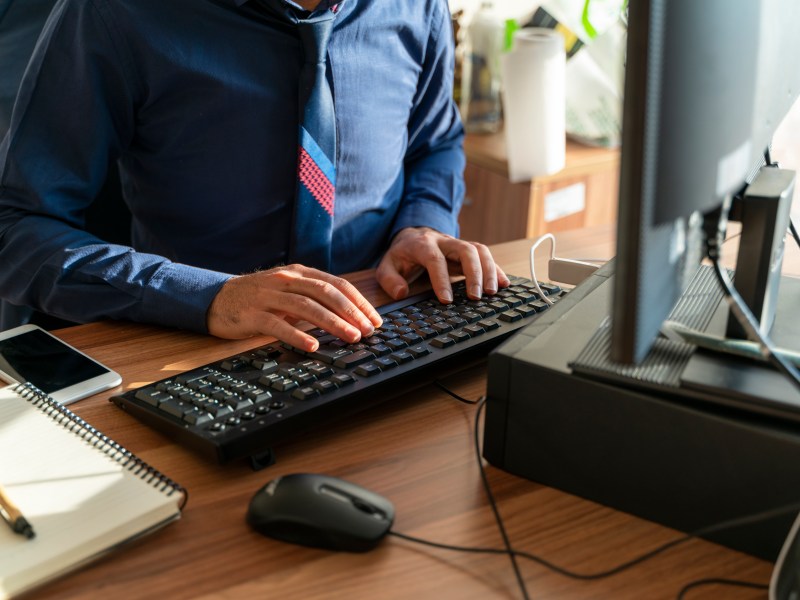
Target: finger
{"type": "Point", "coordinates": [307, 308]}
{"type": "Point", "coordinates": [390, 279]}
{"type": "Point", "coordinates": [433, 259]}
{"type": "Point", "coordinates": [285, 332]}
{"type": "Point", "coordinates": [488, 267]}
{"type": "Point", "coordinates": [353, 297]}
{"type": "Point", "coordinates": [331, 292]}
{"type": "Point", "coordinates": [502, 279]}
{"type": "Point", "coordinates": [469, 261]}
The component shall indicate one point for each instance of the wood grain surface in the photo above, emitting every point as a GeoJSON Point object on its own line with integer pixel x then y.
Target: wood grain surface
{"type": "Point", "coordinates": [418, 451]}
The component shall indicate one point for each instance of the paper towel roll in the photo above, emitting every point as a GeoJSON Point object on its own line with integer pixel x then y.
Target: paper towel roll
{"type": "Point", "coordinates": [534, 103]}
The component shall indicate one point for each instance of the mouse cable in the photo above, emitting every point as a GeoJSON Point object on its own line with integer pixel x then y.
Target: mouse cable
{"type": "Point", "coordinates": [458, 397]}
{"type": "Point", "coordinates": [698, 533]}
{"type": "Point", "coordinates": [719, 581]}
{"type": "Point", "coordinates": [794, 232]}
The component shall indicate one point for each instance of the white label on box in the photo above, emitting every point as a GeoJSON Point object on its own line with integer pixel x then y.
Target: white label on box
{"type": "Point", "coordinates": [564, 202]}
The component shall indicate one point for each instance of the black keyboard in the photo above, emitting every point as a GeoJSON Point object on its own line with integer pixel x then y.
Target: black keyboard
{"type": "Point", "coordinates": [243, 405]}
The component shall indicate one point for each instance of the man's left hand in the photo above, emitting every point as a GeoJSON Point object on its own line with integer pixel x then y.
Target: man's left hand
{"type": "Point", "coordinates": [415, 250]}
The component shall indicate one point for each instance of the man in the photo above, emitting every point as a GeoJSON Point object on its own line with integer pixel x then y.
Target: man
{"type": "Point", "coordinates": [199, 102]}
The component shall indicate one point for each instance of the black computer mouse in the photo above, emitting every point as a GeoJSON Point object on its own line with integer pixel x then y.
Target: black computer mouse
{"type": "Point", "coordinates": [322, 512]}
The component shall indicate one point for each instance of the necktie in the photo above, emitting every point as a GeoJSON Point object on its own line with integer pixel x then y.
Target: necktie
{"type": "Point", "coordinates": [316, 163]}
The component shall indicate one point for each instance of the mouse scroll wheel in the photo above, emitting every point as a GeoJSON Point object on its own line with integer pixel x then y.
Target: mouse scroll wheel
{"type": "Point", "coordinates": [364, 506]}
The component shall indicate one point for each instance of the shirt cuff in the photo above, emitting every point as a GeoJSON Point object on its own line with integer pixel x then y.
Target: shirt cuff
{"type": "Point", "coordinates": [179, 296]}
{"type": "Point", "coordinates": [426, 214]}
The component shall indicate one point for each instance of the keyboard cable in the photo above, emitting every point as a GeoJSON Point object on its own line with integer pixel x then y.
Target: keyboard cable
{"type": "Point", "coordinates": [514, 553]}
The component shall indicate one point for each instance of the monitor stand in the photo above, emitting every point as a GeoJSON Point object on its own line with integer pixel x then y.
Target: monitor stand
{"type": "Point", "coordinates": [672, 449]}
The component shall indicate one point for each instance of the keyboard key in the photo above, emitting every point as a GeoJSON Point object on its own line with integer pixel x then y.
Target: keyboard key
{"type": "Point", "coordinates": [152, 397]}
{"type": "Point", "coordinates": [442, 327]}
{"type": "Point", "coordinates": [419, 350]}
{"type": "Point", "coordinates": [402, 357]}
{"type": "Point", "coordinates": [325, 386]}
{"type": "Point", "coordinates": [320, 370]}
{"type": "Point", "coordinates": [238, 402]}
{"type": "Point", "coordinates": [459, 336]}
{"type": "Point", "coordinates": [197, 417]}
{"type": "Point", "coordinates": [368, 370]}
{"type": "Point", "coordinates": [386, 362]}
{"type": "Point", "coordinates": [234, 364]}
{"type": "Point", "coordinates": [258, 395]}
{"type": "Point", "coordinates": [442, 342]}
{"type": "Point", "coordinates": [354, 359]}
{"type": "Point", "coordinates": [471, 317]}
{"type": "Point", "coordinates": [550, 289]}
{"type": "Point", "coordinates": [343, 379]}
{"type": "Point", "coordinates": [397, 344]}
{"type": "Point", "coordinates": [185, 378]}
{"type": "Point", "coordinates": [305, 378]}
{"type": "Point", "coordinates": [412, 338]}
{"type": "Point", "coordinates": [329, 355]}
{"type": "Point", "coordinates": [176, 408]}
{"type": "Point", "coordinates": [269, 352]}
{"type": "Point", "coordinates": [326, 339]}
{"type": "Point", "coordinates": [511, 301]}
{"type": "Point", "coordinates": [305, 393]}
{"type": "Point", "coordinates": [219, 410]}
{"type": "Point", "coordinates": [539, 305]}
{"type": "Point", "coordinates": [380, 350]}
{"type": "Point", "coordinates": [489, 324]}
{"type": "Point", "coordinates": [264, 365]}
{"type": "Point", "coordinates": [474, 330]}
{"type": "Point", "coordinates": [284, 385]}
{"type": "Point", "coordinates": [268, 380]}
{"type": "Point", "coordinates": [426, 333]}
{"type": "Point", "coordinates": [510, 316]}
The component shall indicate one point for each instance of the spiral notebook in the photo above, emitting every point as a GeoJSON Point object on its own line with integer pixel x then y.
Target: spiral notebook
{"type": "Point", "coordinates": [83, 493]}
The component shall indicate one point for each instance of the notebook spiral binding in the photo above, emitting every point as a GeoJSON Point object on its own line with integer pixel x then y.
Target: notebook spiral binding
{"type": "Point", "coordinates": [72, 422]}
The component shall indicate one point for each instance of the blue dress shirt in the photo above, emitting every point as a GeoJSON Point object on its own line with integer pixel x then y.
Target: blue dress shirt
{"type": "Point", "coordinates": [197, 101]}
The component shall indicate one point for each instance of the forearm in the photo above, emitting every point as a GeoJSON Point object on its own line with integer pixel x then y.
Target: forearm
{"type": "Point", "coordinates": [434, 162]}
{"type": "Point", "coordinates": [434, 190]}
{"type": "Point", "coordinates": [68, 273]}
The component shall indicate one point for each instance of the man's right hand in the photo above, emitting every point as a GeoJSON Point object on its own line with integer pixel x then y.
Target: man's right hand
{"type": "Point", "coordinates": [272, 302]}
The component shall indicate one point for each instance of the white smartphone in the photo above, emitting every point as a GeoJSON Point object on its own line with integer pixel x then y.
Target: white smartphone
{"type": "Point", "coordinates": [29, 354]}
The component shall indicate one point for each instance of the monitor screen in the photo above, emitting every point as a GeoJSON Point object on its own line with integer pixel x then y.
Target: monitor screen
{"type": "Point", "coordinates": [707, 83]}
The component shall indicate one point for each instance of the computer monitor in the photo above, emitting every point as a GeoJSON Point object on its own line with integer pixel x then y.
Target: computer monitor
{"type": "Point", "coordinates": [707, 83]}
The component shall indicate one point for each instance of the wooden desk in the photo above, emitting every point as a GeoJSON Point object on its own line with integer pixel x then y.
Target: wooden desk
{"type": "Point", "coordinates": [583, 194]}
{"type": "Point", "coordinates": [418, 452]}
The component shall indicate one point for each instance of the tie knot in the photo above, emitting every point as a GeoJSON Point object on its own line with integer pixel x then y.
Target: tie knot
{"type": "Point", "coordinates": [315, 33]}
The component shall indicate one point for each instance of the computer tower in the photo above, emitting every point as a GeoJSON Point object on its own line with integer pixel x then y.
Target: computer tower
{"type": "Point", "coordinates": [670, 454]}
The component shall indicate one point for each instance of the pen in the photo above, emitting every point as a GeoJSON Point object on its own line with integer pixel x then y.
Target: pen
{"type": "Point", "coordinates": [11, 514]}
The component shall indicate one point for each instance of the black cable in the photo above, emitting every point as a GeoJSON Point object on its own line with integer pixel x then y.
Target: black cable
{"type": "Point", "coordinates": [715, 528]}
{"type": "Point", "coordinates": [454, 395]}
{"type": "Point", "coordinates": [748, 322]}
{"type": "Point", "coordinates": [794, 232]}
{"type": "Point", "coordinates": [699, 533]}
{"type": "Point", "coordinates": [719, 581]}
{"type": "Point", "coordinates": [715, 224]}
{"type": "Point", "coordinates": [506, 542]}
